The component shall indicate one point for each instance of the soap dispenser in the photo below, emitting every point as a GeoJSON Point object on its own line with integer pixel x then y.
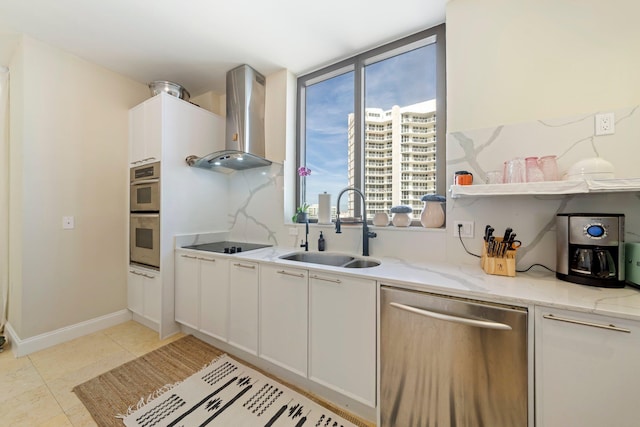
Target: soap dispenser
{"type": "Point", "coordinates": [321, 242]}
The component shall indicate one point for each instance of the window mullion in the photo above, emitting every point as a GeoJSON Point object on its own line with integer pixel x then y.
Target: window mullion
{"type": "Point", "coordinates": [359, 133]}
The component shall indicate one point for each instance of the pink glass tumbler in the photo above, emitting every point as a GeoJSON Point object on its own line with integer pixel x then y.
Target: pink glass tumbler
{"type": "Point", "coordinates": [549, 167]}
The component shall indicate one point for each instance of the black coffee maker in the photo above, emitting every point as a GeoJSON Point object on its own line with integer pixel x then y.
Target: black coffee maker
{"type": "Point", "coordinates": [590, 249]}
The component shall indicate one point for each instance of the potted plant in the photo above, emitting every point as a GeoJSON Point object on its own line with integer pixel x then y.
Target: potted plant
{"type": "Point", "coordinates": [302, 214]}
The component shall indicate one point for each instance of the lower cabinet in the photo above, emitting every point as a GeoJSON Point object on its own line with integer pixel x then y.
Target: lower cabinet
{"type": "Point", "coordinates": [202, 293]}
{"type": "Point", "coordinates": [283, 317]}
{"type": "Point", "coordinates": [214, 298]}
{"type": "Point", "coordinates": [243, 305]}
{"type": "Point", "coordinates": [342, 335]}
{"type": "Point", "coordinates": [144, 292]}
{"type": "Point", "coordinates": [318, 326]}
{"type": "Point", "coordinates": [587, 370]}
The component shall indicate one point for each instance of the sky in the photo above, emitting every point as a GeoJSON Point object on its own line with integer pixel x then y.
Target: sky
{"type": "Point", "coordinates": [402, 80]}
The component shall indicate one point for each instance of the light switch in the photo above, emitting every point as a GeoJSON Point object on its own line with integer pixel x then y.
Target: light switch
{"type": "Point", "coordinates": [68, 222]}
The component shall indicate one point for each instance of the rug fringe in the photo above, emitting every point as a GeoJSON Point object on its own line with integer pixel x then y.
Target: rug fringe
{"type": "Point", "coordinates": [159, 392]}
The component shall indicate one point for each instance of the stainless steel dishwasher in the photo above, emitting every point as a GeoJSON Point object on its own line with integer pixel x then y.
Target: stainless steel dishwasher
{"type": "Point", "coordinates": [451, 362]}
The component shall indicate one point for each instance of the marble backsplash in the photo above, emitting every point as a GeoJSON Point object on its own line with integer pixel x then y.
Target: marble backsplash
{"type": "Point", "coordinates": [256, 213]}
{"type": "Point", "coordinates": [533, 217]}
{"type": "Point", "coordinates": [255, 200]}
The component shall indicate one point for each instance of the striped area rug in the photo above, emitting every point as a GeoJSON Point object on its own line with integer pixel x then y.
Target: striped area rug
{"type": "Point", "coordinates": [128, 387]}
{"type": "Point", "coordinates": [228, 393]}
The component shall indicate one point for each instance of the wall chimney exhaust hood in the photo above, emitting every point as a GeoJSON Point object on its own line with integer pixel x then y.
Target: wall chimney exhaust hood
{"type": "Point", "coordinates": [244, 129]}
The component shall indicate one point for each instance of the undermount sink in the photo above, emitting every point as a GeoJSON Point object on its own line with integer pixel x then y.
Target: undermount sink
{"type": "Point", "coordinates": [335, 260]}
{"type": "Point", "coordinates": [361, 263]}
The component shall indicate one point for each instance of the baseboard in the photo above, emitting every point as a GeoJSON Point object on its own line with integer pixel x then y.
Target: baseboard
{"type": "Point", "coordinates": [22, 347]}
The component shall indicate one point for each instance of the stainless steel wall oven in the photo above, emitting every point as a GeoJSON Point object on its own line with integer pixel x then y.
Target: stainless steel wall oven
{"type": "Point", "coordinates": [144, 216]}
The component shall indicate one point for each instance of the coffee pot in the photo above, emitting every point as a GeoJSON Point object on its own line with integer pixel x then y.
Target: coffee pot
{"type": "Point", "coordinates": [590, 249]}
{"type": "Point", "coordinates": [596, 262]}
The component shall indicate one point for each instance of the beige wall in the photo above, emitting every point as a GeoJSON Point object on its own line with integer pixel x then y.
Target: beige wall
{"type": "Point", "coordinates": [69, 157]}
{"type": "Point", "coordinates": [513, 61]}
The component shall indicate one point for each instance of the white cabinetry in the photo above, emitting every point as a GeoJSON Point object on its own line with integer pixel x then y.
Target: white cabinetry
{"type": "Point", "coordinates": [214, 297]}
{"type": "Point", "coordinates": [243, 305]}
{"type": "Point", "coordinates": [167, 129]}
{"type": "Point", "coordinates": [587, 370]}
{"type": "Point", "coordinates": [283, 317]}
{"type": "Point", "coordinates": [187, 290]}
{"type": "Point", "coordinates": [144, 293]}
{"type": "Point", "coordinates": [342, 335]}
{"type": "Point", "coordinates": [202, 293]}
{"type": "Point", "coordinates": [145, 134]}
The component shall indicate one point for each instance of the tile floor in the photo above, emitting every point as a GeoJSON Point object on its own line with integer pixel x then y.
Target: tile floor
{"type": "Point", "coordinates": [35, 390]}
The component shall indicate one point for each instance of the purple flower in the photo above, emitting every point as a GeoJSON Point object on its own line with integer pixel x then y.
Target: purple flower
{"type": "Point", "coordinates": [304, 171]}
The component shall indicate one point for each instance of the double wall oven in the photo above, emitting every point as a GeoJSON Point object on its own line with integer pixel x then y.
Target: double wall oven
{"type": "Point", "coordinates": [144, 216]}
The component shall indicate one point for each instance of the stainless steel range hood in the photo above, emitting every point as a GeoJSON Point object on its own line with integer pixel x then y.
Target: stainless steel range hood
{"type": "Point", "coordinates": [244, 134]}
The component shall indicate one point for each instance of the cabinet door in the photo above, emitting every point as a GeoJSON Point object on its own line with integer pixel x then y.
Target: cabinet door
{"type": "Point", "coordinates": [187, 289]}
{"type": "Point", "coordinates": [136, 134]}
{"type": "Point", "coordinates": [243, 314]}
{"type": "Point", "coordinates": [145, 132]}
{"type": "Point", "coordinates": [144, 293]}
{"type": "Point", "coordinates": [214, 297]}
{"type": "Point", "coordinates": [135, 291]}
{"type": "Point", "coordinates": [152, 296]}
{"type": "Point", "coordinates": [283, 317]}
{"type": "Point", "coordinates": [342, 335]}
{"type": "Point", "coordinates": [587, 370]}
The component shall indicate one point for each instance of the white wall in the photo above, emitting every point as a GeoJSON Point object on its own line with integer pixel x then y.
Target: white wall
{"type": "Point", "coordinates": [513, 61]}
{"type": "Point", "coordinates": [69, 156]}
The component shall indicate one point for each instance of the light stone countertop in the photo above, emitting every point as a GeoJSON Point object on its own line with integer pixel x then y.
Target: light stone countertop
{"type": "Point", "coordinates": [536, 287]}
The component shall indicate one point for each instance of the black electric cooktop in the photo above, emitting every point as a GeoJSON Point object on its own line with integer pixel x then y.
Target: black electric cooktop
{"type": "Point", "coordinates": [228, 247]}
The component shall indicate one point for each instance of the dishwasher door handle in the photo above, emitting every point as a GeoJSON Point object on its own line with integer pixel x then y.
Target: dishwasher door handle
{"type": "Point", "coordinates": [487, 324]}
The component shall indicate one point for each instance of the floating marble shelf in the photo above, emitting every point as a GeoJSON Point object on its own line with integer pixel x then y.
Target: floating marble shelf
{"type": "Point", "coordinates": [547, 188]}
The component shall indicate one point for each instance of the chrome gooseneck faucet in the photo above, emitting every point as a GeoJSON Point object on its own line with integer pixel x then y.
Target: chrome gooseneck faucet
{"type": "Point", "coordinates": [366, 234]}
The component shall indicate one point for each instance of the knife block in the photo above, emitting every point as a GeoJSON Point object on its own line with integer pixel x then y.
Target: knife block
{"type": "Point", "coordinates": [499, 266]}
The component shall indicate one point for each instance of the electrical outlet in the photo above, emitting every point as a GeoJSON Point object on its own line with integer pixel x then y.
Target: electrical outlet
{"type": "Point", "coordinates": [466, 228]}
{"type": "Point", "coordinates": [68, 222]}
{"type": "Point", "coordinates": [293, 231]}
{"type": "Point", "coordinates": [605, 124]}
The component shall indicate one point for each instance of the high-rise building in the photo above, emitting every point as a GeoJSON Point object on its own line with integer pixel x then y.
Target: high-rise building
{"type": "Point", "coordinates": [399, 156]}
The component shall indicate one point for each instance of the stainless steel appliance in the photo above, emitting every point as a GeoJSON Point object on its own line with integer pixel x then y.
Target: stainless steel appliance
{"type": "Point", "coordinates": [144, 239]}
{"type": "Point", "coordinates": [144, 216]}
{"type": "Point", "coordinates": [590, 249]}
{"type": "Point", "coordinates": [228, 247]}
{"type": "Point", "coordinates": [144, 194]}
{"type": "Point", "coordinates": [244, 141]}
{"type": "Point", "coordinates": [451, 362]}
{"type": "Point", "coordinates": [632, 269]}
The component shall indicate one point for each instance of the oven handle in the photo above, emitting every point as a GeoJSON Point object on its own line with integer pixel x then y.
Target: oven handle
{"type": "Point", "coordinates": [145, 181]}
{"type": "Point", "coordinates": [487, 324]}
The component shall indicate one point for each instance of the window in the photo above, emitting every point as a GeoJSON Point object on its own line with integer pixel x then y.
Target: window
{"type": "Point", "coordinates": [371, 119]}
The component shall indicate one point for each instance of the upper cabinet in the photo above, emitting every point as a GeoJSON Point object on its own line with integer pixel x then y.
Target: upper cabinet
{"type": "Point", "coordinates": [145, 132]}
{"type": "Point", "coordinates": [164, 120]}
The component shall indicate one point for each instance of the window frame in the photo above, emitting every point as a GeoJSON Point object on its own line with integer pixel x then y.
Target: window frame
{"type": "Point", "coordinates": [357, 64]}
